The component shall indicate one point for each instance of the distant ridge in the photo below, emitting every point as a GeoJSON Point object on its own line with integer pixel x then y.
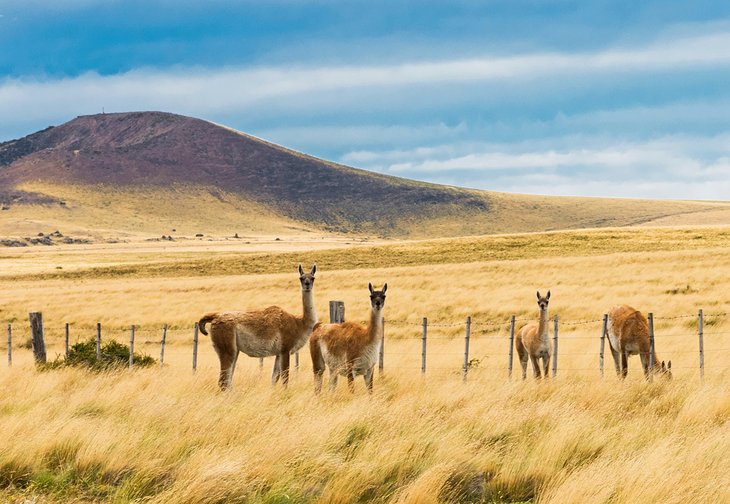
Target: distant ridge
{"type": "Point", "coordinates": [140, 151]}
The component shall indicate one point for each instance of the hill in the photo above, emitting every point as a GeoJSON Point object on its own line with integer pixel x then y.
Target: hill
{"type": "Point", "coordinates": [152, 172]}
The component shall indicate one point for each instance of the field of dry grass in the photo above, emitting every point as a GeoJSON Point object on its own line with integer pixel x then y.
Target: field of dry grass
{"type": "Point", "coordinates": [168, 436]}
{"type": "Point", "coordinates": [122, 213]}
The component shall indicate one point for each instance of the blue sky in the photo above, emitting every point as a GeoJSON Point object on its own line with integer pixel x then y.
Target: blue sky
{"type": "Point", "coordinates": [600, 98]}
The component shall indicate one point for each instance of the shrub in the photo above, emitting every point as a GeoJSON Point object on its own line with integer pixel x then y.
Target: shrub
{"type": "Point", "coordinates": [113, 355]}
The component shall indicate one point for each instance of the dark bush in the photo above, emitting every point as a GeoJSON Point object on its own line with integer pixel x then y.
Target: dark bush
{"type": "Point", "coordinates": [113, 355]}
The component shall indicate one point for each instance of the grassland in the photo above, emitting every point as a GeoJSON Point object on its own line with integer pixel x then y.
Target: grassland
{"type": "Point", "coordinates": [104, 212]}
{"type": "Point", "coordinates": [168, 436]}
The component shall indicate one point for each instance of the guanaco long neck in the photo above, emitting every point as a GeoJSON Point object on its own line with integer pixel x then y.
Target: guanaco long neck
{"type": "Point", "coordinates": [542, 329]}
{"type": "Point", "coordinates": [375, 327]}
{"type": "Point", "coordinates": [309, 314]}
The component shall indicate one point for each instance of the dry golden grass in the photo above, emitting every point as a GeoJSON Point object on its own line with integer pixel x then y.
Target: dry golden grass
{"type": "Point", "coordinates": [169, 436]}
{"type": "Point", "coordinates": [104, 212]}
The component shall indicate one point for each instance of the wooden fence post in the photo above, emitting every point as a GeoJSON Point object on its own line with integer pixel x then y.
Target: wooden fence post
{"type": "Point", "coordinates": [651, 347]}
{"type": "Point", "coordinates": [603, 342]}
{"type": "Point", "coordinates": [555, 346]}
{"type": "Point", "coordinates": [381, 355]}
{"type": "Point", "coordinates": [466, 346]}
{"type": "Point", "coordinates": [162, 345]}
{"type": "Point", "coordinates": [38, 341]}
{"type": "Point", "coordinates": [131, 348]}
{"type": "Point", "coordinates": [701, 327]}
{"type": "Point", "coordinates": [337, 316]}
{"type": "Point", "coordinates": [10, 345]}
{"type": "Point", "coordinates": [67, 337]}
{"type": "Point", "coordinates": [511, 346]}
{"type": "Point", "coordinates": [423, 345]}
{"type": "Point", "coordinates": [195, 348]}
{"type": "Point", "coordinates": [337, 312]}
{"type": "Point", "coordinates": [98, 341]}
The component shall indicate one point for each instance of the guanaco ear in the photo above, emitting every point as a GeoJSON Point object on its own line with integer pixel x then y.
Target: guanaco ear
{"type": "Point", "coordinates": [301, 271]}
{"type": "Point", "coordinates": [538, 295]}
{"type": "Point", "coordinates": [370, 286]}
{"type": "Point", "coordinates": [664, 367]}
{"type": "Point", "coordinates": [385, 287]}
{"type": "Point", "coordinates": [548, 295]}
{"type": "Point", "coordinates": [669, 365]}
{"type": "Point", "coordinates": [314, 269]}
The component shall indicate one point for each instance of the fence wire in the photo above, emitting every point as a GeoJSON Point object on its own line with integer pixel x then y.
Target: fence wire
{"type": "Point", "coordinates": [147, 335]}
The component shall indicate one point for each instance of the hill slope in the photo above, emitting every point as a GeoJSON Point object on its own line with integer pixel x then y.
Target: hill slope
{"type": "Point", "coordinates": [151, 171]}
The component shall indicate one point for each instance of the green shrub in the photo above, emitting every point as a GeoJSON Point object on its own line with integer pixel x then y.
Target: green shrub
{"type": "Point", "coordinates": [113, 355]}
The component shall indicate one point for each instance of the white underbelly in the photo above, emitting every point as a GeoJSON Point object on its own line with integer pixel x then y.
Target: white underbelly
{"type": "Point", "coordinates": [360, 364]}
{"type": "Point", "coordinates": [254, 346]}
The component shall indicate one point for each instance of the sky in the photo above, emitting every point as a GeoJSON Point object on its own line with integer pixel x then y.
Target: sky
{"type": "Point", "coordinates": [588, 98]}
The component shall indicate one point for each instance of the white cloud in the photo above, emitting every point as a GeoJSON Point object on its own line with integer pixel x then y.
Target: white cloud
{"type": "Point", "coordinates": [206, 91]}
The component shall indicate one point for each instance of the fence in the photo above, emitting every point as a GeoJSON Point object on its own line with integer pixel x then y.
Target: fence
{"type": "Point", "coordinates": [486, 340]}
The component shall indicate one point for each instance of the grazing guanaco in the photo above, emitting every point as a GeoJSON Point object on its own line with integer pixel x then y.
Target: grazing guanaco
{"type": "Point", "coordinates": [532, 341]}
{"type": "Point", "coordinates": [263, 333]}
{"type": "Point", "coordinates": [628, 334]}
{"type": "Point", "coordinates": [349, 349]}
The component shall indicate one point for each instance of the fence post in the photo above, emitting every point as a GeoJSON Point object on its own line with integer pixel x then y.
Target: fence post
{"type": "Point", "coordinates": [98, 341]}
{"type": "Point", "coordinates": [10, 345]}
{"type": "Point", "coordinates": [603, 341]}
{"type": "Point", "coordinates": [701, 326]}
{"type": "Point", "coordinates": [131, 348]}
{"type": "Point", "coordinates": [381, 357]}
{"type": "Point", "coordinates": [337, 312]}
{"type": "Point", "coordinates": [423, 345]}
{"type": "Point", "coordinates": [651, 347]}
{"type": "Point", "coordinates": [67, 335]}
{"type": "Point", "coordinates": [162, 345]}
{"type": "Point", "coordinates": [511, 346]}
{"type": "Point", "coordinates": [38, 341]}
{"type": "Point", "coordinates": [555, 346]}
{"type": "Point", "coordinates": [195, 348]}
{"type": "Point", "coordinates": [466, 346]}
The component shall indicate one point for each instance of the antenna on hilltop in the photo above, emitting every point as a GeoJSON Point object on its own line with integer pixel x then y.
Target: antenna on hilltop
{"type": "Point", "coordinates": [102, 110]}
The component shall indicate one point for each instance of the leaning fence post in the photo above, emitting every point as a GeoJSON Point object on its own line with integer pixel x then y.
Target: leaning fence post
{"type": "Point", "coordinates": [98, 341]}
{"type": "Point", "coordinates": [38, 341]}
{"type": "Point", "coordinates": [10, 345]}
{"type": "Point", "coordinates": [555, 346]}
{"type": "Point", "coordinates": [701, 326]}
{"type": "Point", "coordinates": [423, 345]}
{"type": "Point", "coordinates": [603, 341]}
{"type": "Point", "coordinates": [381, 357]}
{"type": "Point", "coordinates": [67, 335]}
{"type": "Point", "coordinates": [466, 346]}
{"type": "Point", "coordinates": [651, 347]}
{"type": "Point", "coordinates": [162, 345]}
{"type": "Point", "coordinates": [511, 346]}
{"type": "Point", "coordinates": [131, 348]}
{"type": "Point", "coordinates": [195, 348]}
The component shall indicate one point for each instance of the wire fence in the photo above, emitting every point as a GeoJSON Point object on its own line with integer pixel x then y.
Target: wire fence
{"type": "Point", "coordinates": [473, 349]}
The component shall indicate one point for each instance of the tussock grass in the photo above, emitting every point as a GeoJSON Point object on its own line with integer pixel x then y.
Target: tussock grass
{"type": "Point", "coordinates": [167, 435]}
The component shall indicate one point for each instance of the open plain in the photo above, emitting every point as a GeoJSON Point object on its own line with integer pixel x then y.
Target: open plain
{"type": "Point", "coordinates": [168, 435]}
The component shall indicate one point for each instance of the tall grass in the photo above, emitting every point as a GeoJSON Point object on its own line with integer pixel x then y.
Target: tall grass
{"type": "Point", "coordinates": [168, 435]}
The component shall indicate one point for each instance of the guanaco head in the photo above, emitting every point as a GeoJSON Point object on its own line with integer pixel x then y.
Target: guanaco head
{"type": "Point", "coordinates": [377, 298]}
{"type": "Point", "coordinates": [666, 370]}
{"type": "Point", "coordinates": [307, 279]}
{"type": "Point", "coordinates": [542, 302]}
